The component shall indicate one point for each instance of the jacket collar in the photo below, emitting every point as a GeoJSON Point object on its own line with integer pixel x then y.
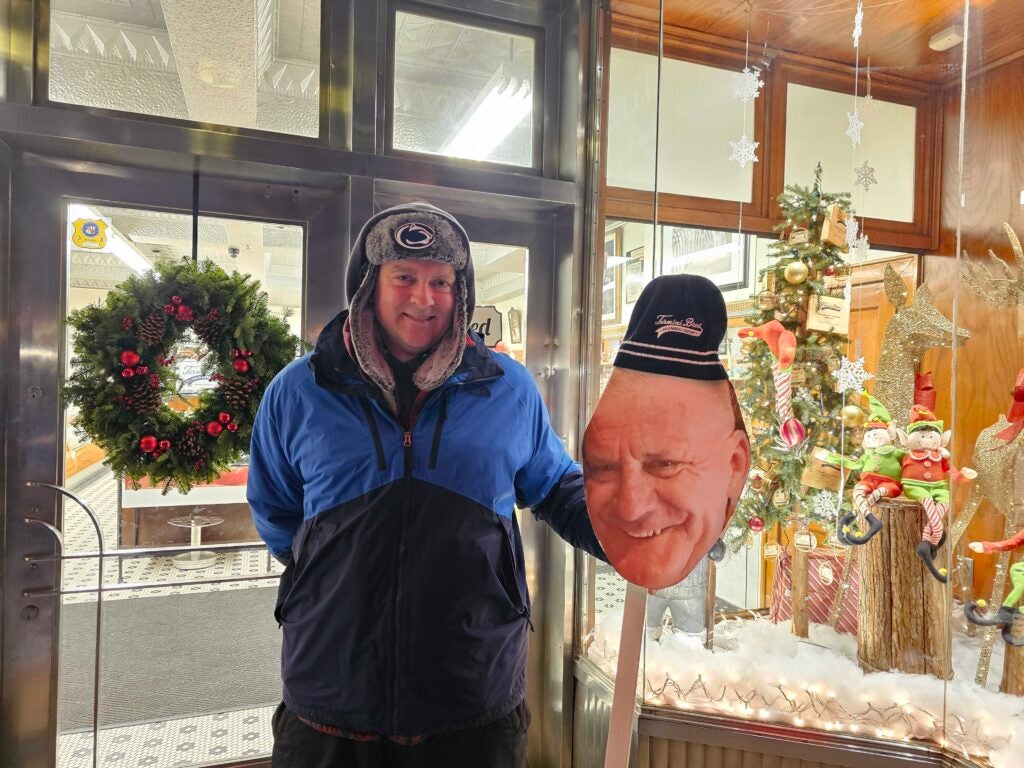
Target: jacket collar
{"type": "Point", "coordinates": [334, 366]}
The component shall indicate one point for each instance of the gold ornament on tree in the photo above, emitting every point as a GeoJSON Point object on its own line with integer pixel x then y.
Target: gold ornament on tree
{"type": "Point", "coordinates": [853, 417]}
{"type": "Point", "coordinates": [796, 272]}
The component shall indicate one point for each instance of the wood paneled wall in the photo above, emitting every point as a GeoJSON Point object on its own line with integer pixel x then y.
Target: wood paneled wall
{"type": "Point", "coordinates": [992, 180]}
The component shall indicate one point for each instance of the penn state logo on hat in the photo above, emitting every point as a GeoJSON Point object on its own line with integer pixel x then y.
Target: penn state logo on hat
{"type": "Point", "coordinates": [414, 236]}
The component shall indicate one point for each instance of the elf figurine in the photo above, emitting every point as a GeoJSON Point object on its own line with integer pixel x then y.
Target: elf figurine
{"type": "Point", "coordinates": [782, 344]}
{"type": "Point", "coordinates": [880, 470]}
{"type": "Point", "coordinates": [1009, 609]}
{"type": "Point", "coordinates": [926, 475]}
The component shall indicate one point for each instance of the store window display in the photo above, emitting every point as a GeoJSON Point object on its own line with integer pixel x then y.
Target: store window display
{"type": "Point", "coordinates": [858, 595]}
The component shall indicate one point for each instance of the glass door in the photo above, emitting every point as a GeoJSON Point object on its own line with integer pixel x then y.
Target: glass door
{"type": "Point", "coordinates": [188, 650]}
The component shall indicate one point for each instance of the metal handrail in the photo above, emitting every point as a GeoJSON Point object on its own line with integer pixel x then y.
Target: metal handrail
{"type": "Point", "coordinates": [49, 592]}
{"type": "Point", "coordinates": [142, 552]}
{"type": "Point", "coordinates": [99, 599]}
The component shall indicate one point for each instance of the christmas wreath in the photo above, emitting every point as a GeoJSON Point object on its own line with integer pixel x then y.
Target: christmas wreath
{"type": "Point", "coordinates": [124, 377]}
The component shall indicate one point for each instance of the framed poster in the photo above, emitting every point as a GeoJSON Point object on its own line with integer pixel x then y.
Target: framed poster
{"type": "Point", "coordinates": [634, 276]}
{"type": "Point", "coordinates": [515, 326]}
{"type": "Point", "coordinates": [611, 285]}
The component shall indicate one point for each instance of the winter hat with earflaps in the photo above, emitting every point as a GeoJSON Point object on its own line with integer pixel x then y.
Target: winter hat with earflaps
{"type": "Point", "coordinates": [411, 231]}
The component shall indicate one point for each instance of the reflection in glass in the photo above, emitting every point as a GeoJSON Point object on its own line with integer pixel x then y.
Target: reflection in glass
{"type": "Point", "coordinates": [243, 64]}
{"type": "Point", "coordinates": [463, 91]}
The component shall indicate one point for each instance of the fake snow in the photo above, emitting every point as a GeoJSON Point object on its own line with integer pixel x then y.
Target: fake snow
{"type": "Point", "coordinates": [761, 671]}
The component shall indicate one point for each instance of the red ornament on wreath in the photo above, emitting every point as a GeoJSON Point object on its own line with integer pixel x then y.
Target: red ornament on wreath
{"type": "Point", "coordinates": [214, 428]}
{"type": "Point", "coordinates": [147, 443]}
{"type": "Point", "coordinates": [127, 373]}
{"type": "Point", "coordinates": [165, 444]}
{"type": "Point", "coordinates": [223, 417]}
{"type": "Point", "coordinates": [756, 524]}
{"type": "Point", "coordinates": [129, 358]}
{"type": "Point", "coordinates": [241, 365]}
{"type": "Point", "coordinates": [232, 427]}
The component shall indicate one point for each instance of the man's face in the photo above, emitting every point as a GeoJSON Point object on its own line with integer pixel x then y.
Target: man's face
{"type": "Point", "coordinates": [414, 301]}
{"type": "Point", "coordinates": [663, 466]}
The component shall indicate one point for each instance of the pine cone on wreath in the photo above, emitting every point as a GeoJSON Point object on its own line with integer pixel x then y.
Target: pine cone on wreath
{"type": "Point", "coordinates": [190, 443]}
{"type": "Point", "coordinates": [145, 398]}
{"type": "Point", "coordinates": [209, 329]}
{"type": "Point", "coordinates": [151, 330]}
{"type": "Point", "coordinates": [238, 391]}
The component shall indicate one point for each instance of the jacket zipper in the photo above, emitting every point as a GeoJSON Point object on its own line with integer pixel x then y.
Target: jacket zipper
{"type": "Point", "coordinates": [418, 405]}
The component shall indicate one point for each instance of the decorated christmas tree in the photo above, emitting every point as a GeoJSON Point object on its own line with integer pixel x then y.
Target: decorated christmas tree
{"type": "Point", "coordinates": [793, 394]}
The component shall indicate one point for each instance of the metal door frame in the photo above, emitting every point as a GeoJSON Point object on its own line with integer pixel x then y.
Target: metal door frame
{"type": "Point", "coordinates": [40, 187]}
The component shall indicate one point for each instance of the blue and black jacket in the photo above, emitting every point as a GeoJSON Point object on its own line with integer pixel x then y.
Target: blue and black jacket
{"type": "Point", "coordinates": [404, 603]}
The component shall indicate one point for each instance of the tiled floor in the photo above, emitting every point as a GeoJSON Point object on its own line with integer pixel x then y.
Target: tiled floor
{"type": "Point", "coordinates": [196, 741]}
{"type": "Point", "coordinates": [173, 743]}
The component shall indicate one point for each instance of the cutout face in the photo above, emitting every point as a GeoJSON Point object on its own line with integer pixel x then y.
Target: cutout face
{"type": "Point", "coordinates": [663, 466]}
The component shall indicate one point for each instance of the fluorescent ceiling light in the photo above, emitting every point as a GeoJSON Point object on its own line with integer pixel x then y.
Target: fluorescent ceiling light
{"type": "Point", "coordinates": [950, 37]}
{"type": "Point", "coordinates": [116, 244]}
{"type": "Point", "coordinates": [507, 102]}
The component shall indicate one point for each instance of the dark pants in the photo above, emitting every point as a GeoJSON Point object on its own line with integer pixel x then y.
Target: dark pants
{"type": "Point", "coordinates": [501, 744]}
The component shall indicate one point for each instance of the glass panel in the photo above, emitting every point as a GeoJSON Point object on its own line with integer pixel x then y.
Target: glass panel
{"type": "Point", "coordinates": [814, 116]}
{"type": "Point", "coordinates": [811, 627]}
{"type": "Point", "coordinates": [977, 280]}
{"type": "Point", "coordinates": [463, 91]}
{"type": "Point", "coordinates": [695, 149]}
{"type": "Point", "coordinates": [189, 673]}
{"type": "Point", "coordinates": [243, 64]}
{"type": "Point", "coordinates": [501, 297]}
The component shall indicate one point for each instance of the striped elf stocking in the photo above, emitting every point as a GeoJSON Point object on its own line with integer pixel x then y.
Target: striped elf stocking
{"type": "Point", "coordinates": [782, 344]}
{"type": "Point", "coordinates": [936, 511]}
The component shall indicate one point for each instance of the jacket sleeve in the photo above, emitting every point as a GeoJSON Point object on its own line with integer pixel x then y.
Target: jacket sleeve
{"type": "Point", "coordinates": [551, 483]}
{"type": "Point", "coordinates": [274, 487]}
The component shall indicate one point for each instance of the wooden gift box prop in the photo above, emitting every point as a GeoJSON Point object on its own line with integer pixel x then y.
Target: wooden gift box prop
{"type": "Point", "coordinates": [825, 575]}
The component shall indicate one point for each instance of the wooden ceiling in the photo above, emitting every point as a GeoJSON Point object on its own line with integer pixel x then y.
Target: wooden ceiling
{"type": "Point", "coordinates": [895, 32]}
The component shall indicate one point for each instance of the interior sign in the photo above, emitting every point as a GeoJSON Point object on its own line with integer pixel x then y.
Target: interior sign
{"type": "Point", "coordinates": [487, 322]}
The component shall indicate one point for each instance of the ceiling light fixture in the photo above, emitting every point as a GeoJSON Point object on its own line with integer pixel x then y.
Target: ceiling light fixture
{"type": "Point", "coordinates": [506, 101]}
{"type": "Point", "coordinates": [116, 244]}
{"type": "Point", "coordinates": [950, 37]}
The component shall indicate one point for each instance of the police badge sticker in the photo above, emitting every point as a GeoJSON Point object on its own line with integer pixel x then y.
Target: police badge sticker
{"type": "Point", "coordinates": [90, 234]}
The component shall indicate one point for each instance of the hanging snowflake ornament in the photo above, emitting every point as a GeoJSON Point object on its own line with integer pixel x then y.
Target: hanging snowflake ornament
{"type": "Point", "coordinates": [860, 250]}
{"type": "Point", "coordinates": [852, 231]}
{"type": "Point", "coordinates": [746, 85]}
{"type": "Point", "coordinates": [825, 505]}
{"type": "Point", "coordinates": [851, 376]}
{"type": "Point", "coordinates": [867, 107]}
{"type": "Point", "coordinates": [865, 176]}
{"type": "Point", "coordinates": [743, 151]}
{"type": "Point", "coordinates": [854, 126]}
{"type": "Point", "coordinates": [858, 24]}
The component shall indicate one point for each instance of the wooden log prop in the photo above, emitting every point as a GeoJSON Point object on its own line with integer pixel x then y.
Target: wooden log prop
{"type": "Point", "coordinates": [903, 615]}
{"type": "Point", "coordinates": [1013, 664]}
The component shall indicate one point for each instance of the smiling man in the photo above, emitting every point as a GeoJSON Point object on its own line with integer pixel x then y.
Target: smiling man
{"type": "Point", "coordinates": [385, 472]}
{"type": "Point", "coordinates": [666, 455]}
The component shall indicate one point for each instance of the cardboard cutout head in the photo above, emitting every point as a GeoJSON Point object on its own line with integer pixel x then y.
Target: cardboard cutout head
{"type": "Point", "coordinates": [665, 456]}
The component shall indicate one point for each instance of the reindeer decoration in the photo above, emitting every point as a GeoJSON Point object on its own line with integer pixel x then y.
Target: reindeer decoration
{"type": "Point", "coordinates": [915, 328]}
{"type": "Point", "coordinates": [999, 450]}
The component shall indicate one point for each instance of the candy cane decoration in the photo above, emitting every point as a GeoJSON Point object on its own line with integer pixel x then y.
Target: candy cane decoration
{"type": "Point", "coordinates": [782, 344]}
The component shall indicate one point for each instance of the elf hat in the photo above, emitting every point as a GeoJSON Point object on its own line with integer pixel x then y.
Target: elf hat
{"type": "Point", "coordinates": [922, 418]}
{"type": "Point", "coordinates": [878, 416]}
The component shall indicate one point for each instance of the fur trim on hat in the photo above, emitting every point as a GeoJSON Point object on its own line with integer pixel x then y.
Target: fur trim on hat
{"type": "Point", "coordinates": [381, 246]}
